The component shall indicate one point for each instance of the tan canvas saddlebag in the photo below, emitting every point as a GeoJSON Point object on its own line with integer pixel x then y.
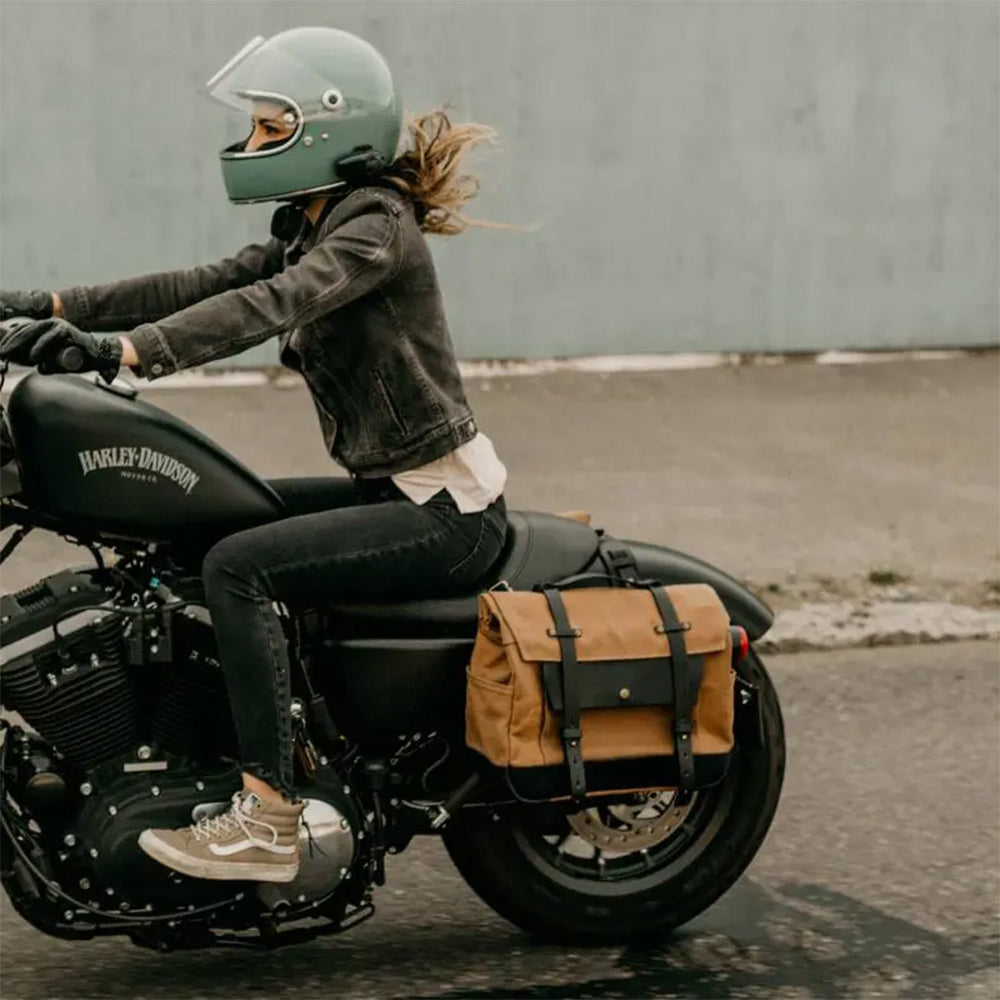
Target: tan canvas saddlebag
{"type": "Point", "coordinates": [602, 688]}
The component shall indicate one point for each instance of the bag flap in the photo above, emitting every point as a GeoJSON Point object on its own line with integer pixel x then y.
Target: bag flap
{"type": "Point", "coordinates": [615, 623]}
{"type": "Point", "coordinates": [613, 683]}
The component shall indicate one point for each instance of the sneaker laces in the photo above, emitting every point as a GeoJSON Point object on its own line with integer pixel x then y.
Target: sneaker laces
{"type": "Point", "coordinates": [233, 819]}
{"type": "Point", "coordinates": [311, 843]}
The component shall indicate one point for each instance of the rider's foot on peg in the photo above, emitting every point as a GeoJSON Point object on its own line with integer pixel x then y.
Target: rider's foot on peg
{"type": "Point", "coordinates": [256, 840]}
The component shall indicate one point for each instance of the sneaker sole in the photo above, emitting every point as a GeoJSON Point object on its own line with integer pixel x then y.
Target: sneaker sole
{"type": "Point", "coordinates": [220, 871]}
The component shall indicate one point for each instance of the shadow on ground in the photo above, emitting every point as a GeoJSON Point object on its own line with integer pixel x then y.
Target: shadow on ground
{"type": "Point", "coordinates": [798, 940]}
{"type": "Point", "coordinates": [804, 937]}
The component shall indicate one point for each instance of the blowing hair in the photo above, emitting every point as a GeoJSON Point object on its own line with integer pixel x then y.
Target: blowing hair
{"type": "Point", "coordinates": [430, 172]}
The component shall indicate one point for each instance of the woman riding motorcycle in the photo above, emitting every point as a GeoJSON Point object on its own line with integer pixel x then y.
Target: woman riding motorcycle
{"type": "Point", "coordinates": [347, 285]}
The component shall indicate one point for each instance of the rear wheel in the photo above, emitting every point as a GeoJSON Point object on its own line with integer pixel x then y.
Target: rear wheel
{"type": "Point", "coordinates": [633, 869]}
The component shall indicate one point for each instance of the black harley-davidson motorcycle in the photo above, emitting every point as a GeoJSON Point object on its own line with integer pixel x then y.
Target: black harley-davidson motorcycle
{"type": "Point", "coordinates": [116, 719]}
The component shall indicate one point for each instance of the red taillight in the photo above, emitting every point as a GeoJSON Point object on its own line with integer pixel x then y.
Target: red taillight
{"type": "Point", "coordinates": [741, 643]}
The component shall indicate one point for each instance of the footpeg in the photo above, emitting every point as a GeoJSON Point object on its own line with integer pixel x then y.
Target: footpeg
{"type": "Point", "coordinates": [454, 801]}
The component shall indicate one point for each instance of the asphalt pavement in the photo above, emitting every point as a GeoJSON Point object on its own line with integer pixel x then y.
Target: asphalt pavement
{"type": "Point", "coordinates": [879, 879]}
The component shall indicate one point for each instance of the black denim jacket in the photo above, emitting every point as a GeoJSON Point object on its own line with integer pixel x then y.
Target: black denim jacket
{"type": "Point", "coordinates": [356, 304]}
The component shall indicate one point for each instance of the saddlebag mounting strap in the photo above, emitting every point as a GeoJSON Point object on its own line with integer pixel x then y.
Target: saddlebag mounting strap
{"type": "Point", "coordinates": [619, 560]}
{"type": "Point", "coordinates": [686, 673]}
{"type": "Point", "coordinates": [572, 732]}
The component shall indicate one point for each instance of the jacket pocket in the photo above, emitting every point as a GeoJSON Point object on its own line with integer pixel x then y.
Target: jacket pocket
{"type": "Point", "coordinates": [388, 403]}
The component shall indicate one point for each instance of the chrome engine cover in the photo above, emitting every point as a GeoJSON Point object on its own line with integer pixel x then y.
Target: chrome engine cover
{"type": "Point", "coordinates": [327, 844]}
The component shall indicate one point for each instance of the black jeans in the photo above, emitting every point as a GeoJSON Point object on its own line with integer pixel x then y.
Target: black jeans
{"type": "Point", "coordinates": [360, 540]}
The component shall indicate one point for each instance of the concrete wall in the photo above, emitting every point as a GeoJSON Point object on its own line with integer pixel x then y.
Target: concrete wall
{"type": "Point", "coordinates": [706, 176]}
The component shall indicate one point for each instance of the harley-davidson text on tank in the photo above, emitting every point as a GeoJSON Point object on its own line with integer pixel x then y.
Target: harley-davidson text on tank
{"type": "Point", "coordinates": [140, 463]}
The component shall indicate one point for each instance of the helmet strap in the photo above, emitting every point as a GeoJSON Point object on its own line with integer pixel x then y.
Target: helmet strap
{"type": "Point", "coordinates": [287, 219]}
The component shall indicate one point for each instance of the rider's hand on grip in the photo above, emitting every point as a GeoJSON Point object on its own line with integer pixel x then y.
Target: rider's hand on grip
{"type": "Point", "coordinates": [34, 305]}
{"type": "Point", "coordinates": [55, 345]}
{"type": "Point", "coordinates": [17, 338]}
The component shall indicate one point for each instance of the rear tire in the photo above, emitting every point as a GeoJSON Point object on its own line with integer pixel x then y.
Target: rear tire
{"type": "Point", "coordinates": [509, 859]}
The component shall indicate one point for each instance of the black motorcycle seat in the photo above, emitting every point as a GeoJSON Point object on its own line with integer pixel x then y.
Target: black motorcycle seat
{"type": "Point", "coordinates": [539, 547]}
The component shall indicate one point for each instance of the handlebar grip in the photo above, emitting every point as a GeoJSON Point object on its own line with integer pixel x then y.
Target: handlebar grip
{"type": "Point", "coordinates": [70, 359]}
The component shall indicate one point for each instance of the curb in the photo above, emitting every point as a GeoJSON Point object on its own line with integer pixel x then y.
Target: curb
{"type": "Point", "coordinates": [829, 626]}
{"type": "Point", "coordinates": [601, 364]}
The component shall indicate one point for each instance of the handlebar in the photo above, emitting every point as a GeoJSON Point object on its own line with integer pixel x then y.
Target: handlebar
{"type": "Point", "coordinates": [70, 359]}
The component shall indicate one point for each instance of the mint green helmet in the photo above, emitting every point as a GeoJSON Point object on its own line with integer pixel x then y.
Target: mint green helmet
{"type": "Point", "coordinates": [345, 106]}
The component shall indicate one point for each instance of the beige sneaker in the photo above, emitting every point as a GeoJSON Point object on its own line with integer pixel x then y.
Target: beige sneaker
{"type": "Point", "coordinates": [256, 839]}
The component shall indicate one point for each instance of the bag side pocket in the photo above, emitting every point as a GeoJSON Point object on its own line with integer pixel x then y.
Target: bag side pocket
{"type": "Point", "coordinates": [489, 706]}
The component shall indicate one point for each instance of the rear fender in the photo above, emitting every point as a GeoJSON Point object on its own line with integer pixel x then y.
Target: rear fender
{"type": "Point", "coordinates": [670, 566]}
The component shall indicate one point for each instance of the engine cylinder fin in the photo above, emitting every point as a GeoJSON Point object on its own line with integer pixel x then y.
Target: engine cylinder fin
{"type": "Point", "coordinates": [77, 694]}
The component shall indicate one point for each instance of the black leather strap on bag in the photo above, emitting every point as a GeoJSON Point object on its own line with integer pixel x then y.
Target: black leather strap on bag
{"type": "Point", "coordinates": [687, 680]}
{"type": "Point", "coordinates": [572, 732]}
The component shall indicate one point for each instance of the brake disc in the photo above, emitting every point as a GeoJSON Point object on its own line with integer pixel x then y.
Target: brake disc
{"type": "Point", "coordinates": [632, 826]}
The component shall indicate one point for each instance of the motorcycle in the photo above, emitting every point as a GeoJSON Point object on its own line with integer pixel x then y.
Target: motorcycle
{"type": "Point", "coordinates": [116, 717]}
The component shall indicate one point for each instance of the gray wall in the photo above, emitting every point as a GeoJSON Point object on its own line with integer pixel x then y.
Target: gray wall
{"type": "Point", "coordinates": [706, 176]}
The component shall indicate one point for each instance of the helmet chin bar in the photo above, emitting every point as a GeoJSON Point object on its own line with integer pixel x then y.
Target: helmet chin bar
{"type": "Point", "coordinates": [363, 165]}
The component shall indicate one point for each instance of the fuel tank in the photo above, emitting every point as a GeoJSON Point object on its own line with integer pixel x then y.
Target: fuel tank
{"type": "Point", "coordinates": [95, 456]}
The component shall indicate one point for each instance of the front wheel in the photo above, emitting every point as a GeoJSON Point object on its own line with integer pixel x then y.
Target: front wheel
{"type": "Point", "coordinates": [620, 872]}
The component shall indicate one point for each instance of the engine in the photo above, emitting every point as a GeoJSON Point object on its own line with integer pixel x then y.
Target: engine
{"type": "Point", "coordinates": [131, 729]}
{"type": "Point", "coordinates": [98, 681]}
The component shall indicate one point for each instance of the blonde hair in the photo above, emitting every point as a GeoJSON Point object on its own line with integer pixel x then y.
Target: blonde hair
{"type": "Point", "coordinates": [430, 172]}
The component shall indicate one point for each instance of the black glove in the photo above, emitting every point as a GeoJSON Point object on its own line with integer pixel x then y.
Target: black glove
{"type": "Point", "coordinates": [43, 344]}
{"type": "Point", "coordinates": [17, 340]}
{"type": "Point", "coordinates": [34, 305]}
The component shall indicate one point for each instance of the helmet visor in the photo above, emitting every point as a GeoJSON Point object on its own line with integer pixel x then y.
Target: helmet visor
{"type": "Point", "coordinates": [263, 71]}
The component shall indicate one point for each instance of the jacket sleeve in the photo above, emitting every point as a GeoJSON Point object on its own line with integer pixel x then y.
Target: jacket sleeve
{"type": "Point", "coordinates": [349, 262]}
{"type": "Point", "coordinates": [121, 305]}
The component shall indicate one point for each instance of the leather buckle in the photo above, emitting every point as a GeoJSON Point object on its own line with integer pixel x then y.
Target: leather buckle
{"type": "Point", "coordinates": [679, 627]}
{"type": "Point", "coordinates": [621, 559]}
{"type": "Point", "coordinates": [573, 633]}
